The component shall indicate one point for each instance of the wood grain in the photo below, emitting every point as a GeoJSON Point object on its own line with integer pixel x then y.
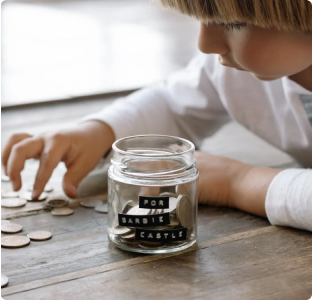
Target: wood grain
{"type": "Point", "coordinates": [244, 266]}
{"type": "Point", "coordinates": [80, 242]}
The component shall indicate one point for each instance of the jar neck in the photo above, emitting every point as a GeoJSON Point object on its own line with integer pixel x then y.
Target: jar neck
{"type": "Point", "coordinates": [153, 156]}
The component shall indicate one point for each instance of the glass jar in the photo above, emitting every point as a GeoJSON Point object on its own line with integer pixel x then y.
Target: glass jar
{"type": "Point", "coordinates": [153, 194]}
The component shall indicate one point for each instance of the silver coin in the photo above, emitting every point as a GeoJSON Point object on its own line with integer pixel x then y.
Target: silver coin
{"type": "Point", "coordinates": [27, 196]}
{"type": "Point", "coordinates": [39, 235]}
{"type": "Point", "coordinates": [5, 178]}
{"type": "Point", "coordinates": [57, 202]}
{"type": "Point", "coordinates": [137, 211]}
{"type": "Point", "coordinates": [13, 203]}
{"type": "Point", "coordinates": [92, 203]}
{"type": "Point", "coordinates": [102, 208]}
{"type": "Point", "coordinates": [121, 230]}
{"type": "Point", "coordinates": [47, 189]}
{"type": "Point", "coordinates": [181, 189]}
{"type": "Point", "coordinates": [10, 194]}
{"type": "Point", "coordinates": [62, 211]}
{"type": "Point", "coordinates": [172, 205]}
{"type": "Point", "coordinates": [174, 222]}
{"type": "Point", "coordinates": [184, 211]}
{"type": "Point", "coordinates": [129, 236]}
{"type": "Point", "coordinates": [129, 242]}
{"type": "Point", "coordinates": [168, 194]}
{"type": "Point", "coordinates": [152, 245]}
{"type": "Point", "coordinates": [11, 228]}
{"type": "Point", "coordinates": [4, 222]}
{"type": "Point", "coordinates": [127, 206]}
{"type": "Point", "coordinates": [4, 280]}
{"type": "Point", "coordinates": [15, 241]}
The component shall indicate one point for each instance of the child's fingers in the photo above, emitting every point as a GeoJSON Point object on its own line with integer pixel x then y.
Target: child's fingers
{"type": "Point", "coordinates": [75, 173]}
{"type": "Point", "coordinates": [20, 152]}
{"type": "Point", "coordinates": [50, 157]}
{"type": "Point", "coordinates": [14, 139]}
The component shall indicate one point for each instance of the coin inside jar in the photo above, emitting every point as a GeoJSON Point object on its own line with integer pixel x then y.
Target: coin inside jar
{"type": "Point", "coordinates": [172, 205]}
{"type": "Point", "coordinates": [11, 228]}
{"type": "Point", "coordinates": [121, 230]}
{"type": "Point", "coordinates": [39, 235]}
{"type": "Point", "coordinates": [16, 241]}
{"type": "Point", "coordinates": [137, 211]}
{"type": "Point", "coordinates": [62, 211]}
{"type": "Point", "coordinates": [4, 281]}
{"type": "Point", "coordinates": [152, 245]}
{"type": "Point", "coordinates": [127, 206]}
{"type": "Point", "coordinates": [184, 211]}
{"type": "Point", "coordinates": [13, 202]}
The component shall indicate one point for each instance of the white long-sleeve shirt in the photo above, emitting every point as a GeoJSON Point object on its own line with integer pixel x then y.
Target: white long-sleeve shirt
{"type": "Point", "coordinates": [197, 101]}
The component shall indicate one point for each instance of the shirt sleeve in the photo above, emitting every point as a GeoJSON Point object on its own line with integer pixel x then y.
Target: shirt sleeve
{"type": "Point", "coordinates": [289, 199]}
{"type": "Point", "coordinates": [186, 105]}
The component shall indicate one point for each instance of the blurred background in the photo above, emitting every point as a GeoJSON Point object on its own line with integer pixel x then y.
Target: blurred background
{"type": "Point", "coordinates": [64, 59]}
{"type": "Point", "coordinates": [57, 50]}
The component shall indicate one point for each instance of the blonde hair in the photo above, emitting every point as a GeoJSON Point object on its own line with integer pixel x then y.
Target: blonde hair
{"type": "Point", "coordinates": [288, 15]}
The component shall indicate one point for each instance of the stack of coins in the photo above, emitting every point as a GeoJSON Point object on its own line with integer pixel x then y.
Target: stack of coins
{"type": "Point", "coordinates": [181, 216]}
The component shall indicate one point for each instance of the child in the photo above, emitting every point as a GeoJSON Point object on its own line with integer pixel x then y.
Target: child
{"type": "Point", "coordinates": [257, 70]}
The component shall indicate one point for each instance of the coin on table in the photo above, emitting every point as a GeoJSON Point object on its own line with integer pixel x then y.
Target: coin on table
{"type": "Point", "coordinates": [102, 208]}
{"type": "Point", "coordinates": [16, 241]}
{"type": "Point", "coordinates": [137, 211]}
{"type": "Point", "coordinates": [47, 189]}
{"type": "Point", "coordinates": [121, 230]}
{"type": "Point", "coordinates": [129, 204]}
{"type": "Point", "coordinates": [27, 196]}
{"type": "Point", "coordinates": [184, 211]}
{"type": "Point", "coordinates": [57, 201]}
{"type": "Point", "coordinates": [10, 194]}
{"type": "Point", "coordinates": [5, 178]}
{"type": "Point", "coordinates": [39, 235]}
{"type": "Point", "coordinates": [11, 228]}
{"type": "Point", "coordinates": [5, 222]}
{"type": "Point", "coordinates": [62, 211]}
{"type": "Point", "coordinates": [13, 202]}
{"type": "Point", "coordinates": [4, 280]}
{"type": "Point", "coordinates": [90, 203]}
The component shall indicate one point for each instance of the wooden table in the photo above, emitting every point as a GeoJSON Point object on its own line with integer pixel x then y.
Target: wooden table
{"type": "Point", "coordinates": [238, 256]}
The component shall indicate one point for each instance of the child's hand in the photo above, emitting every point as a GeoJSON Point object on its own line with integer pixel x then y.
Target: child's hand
{"type": "Point", "coordinates": [79, 148]}
{"type": "Point", "coordinates": [226, 182]}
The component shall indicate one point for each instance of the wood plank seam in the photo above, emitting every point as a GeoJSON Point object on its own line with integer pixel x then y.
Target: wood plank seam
{"type": "Point", "coordinates": [133, 261]}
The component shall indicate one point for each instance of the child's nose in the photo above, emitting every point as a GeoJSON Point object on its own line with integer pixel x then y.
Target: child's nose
{"type": "Point", "coordinates": [212, 39]}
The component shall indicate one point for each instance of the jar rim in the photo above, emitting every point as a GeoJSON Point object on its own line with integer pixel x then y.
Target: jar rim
{"type": "Point", "coordinates": [116, 149]}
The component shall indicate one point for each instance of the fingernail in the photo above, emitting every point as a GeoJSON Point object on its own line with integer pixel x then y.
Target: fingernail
{"type": "Point", "coordinates": [35, 194]}
{"type": "Point", "coordinates": [14, 185]}
{"type": "Point", "coordinates": [71, 190]}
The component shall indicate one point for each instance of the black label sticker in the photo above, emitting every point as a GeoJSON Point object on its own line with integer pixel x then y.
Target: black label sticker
{"type": "Point", "coordinates": [153, 202]}
{"type": "Point", "coordinates": [143, 220]}
{"type": "Point", "coordinates": [153, 235]}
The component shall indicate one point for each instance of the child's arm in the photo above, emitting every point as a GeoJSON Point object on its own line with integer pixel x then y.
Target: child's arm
{"type": "Point", "coordinates": [285, 197]}
{"type": "Point", "coordinates": [185, 105]}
